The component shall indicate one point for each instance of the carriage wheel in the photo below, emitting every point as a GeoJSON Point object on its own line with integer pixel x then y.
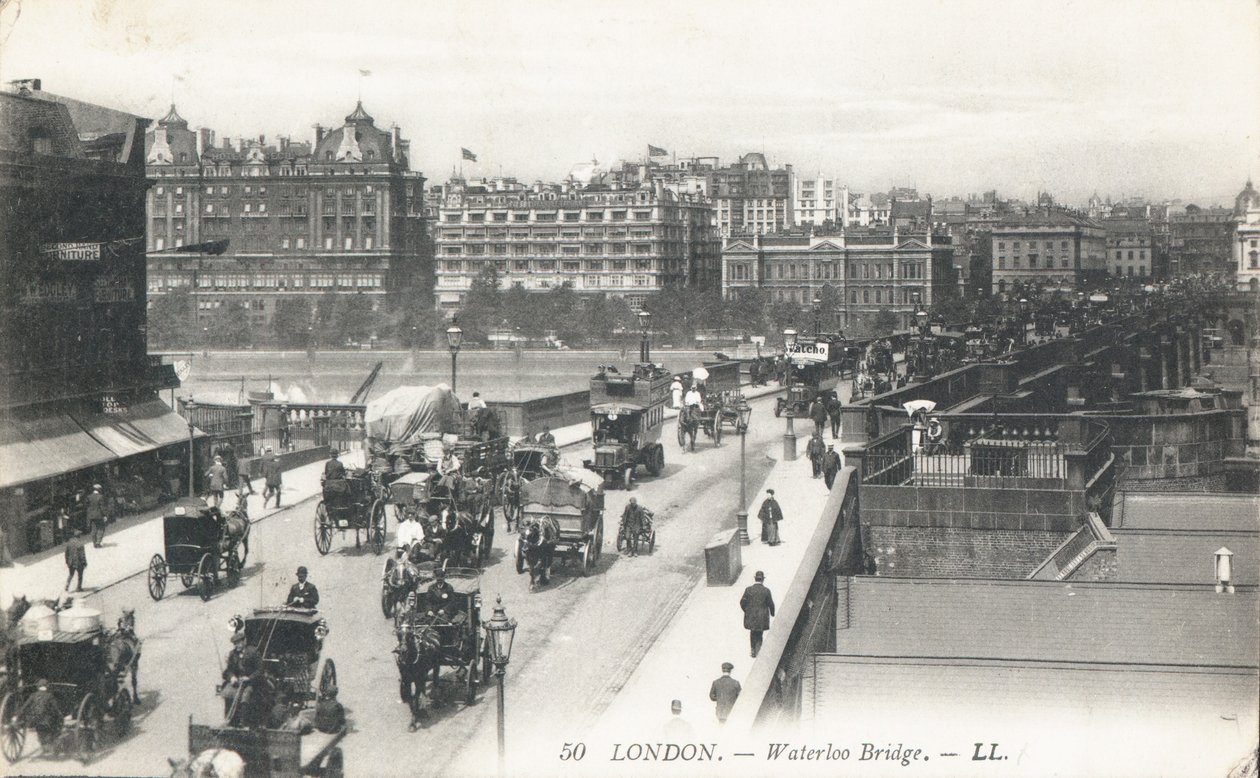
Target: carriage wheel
{"type": "Point", "coordinates": [121, 714]}
{"type": "Point", "coordinates": [13, 732]}
{"type": "Point", "coordinates": [588, 556]}
{"type": "Point", "coordinates": [327, 676]}
{"type": "Point", "coordinates": [655, 459]}
{"type": "Point", "coordinates": [207, 571]}
{"type": "Point", "coordinates": [682, 433]}
{"type": "Point", "coordinates": [323, 529]}
{"type": "Point", "coordinates": [157, 577]}
{"type": "Point", "coordinates": [717, 430]}
{"type": "Point", "coordinates": [470, 684]}
{"type": "Point", "coordinates": [87, 727]}
{"type": "Point", "coordinates": [599, 539]}
{"type": "Point", "coordinates": [387, 594]}
{"type": "Point", "coordinates": [233, 565]}
{"type": "Point", "coordinates": [627, 477]}
{"type": "Point", "coordinates": [376, 532]}
{"type": "Point", "coordinates": [651, 541]}
{"type": "Point", "coordinates": [520, 557]}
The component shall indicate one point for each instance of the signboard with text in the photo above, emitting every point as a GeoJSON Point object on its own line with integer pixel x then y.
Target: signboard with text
{"type": "Point", "coordinates": [809, 353]}
{"type": "Point", "coordinates": [73, 252]}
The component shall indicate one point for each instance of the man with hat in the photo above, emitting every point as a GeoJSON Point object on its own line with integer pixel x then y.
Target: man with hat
{"type": "Point", "coordinates": [545, 438]}
{"type": "Point", "coordinates": [216, 482]}
{"type": "Point", "coordinates": [95, 514]}
{"type": "Point", "coordinates": [831, 465]}
{"type": "Point", "coordinates": [330, 715]}
{"type": "Point", "coordinates": [770, 514]}
{"type": "Point", "coordinates": [724, 691]}
{"type": "Point", "coordinates": [441, 594]}
{"type": "Point", "coordinates": [43, 715]}
{"type": "Point", "coordinates": [76, 559]}
{"type": "Point", "coordinates": [271, 477]}
{"type": "Point", "coordinates": [677, 729]}
{"type": "Point", "coordinates": [758, 606]}
{"type": "Point", "coordinates": [302, 594]}
{"type": "Point", "coordinates": [815, 450]}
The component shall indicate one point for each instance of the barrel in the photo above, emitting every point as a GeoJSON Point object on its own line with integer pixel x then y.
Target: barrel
{"type": "Point", "coordinates": [39, 618]}
{"type": "Point", "coordinates": [79, 619]}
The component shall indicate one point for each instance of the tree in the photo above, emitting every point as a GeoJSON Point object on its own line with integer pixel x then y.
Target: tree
{"type": "Point", "coordinates": [232, 327]}
{"type": "Point", "coordinates": [885, 323]}
{"type": "Point", "coordinates": [170, 319]}
{"type": "Point", "coordinates": [482, 309]}
{"type": "Point", "coordinates": [355, 317]}
{"type": "Point", "coordinates": [289, 323]}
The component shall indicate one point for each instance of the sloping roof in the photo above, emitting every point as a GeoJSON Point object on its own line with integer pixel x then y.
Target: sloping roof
{"type": "Point", "coordinates": [1035, 620]}
{"type": "Point", "coordinates": [1184, 556]}
{"type": "Point", "coordinates": [1189, 510]}
{"type": "Point", "coordinates": [22, 117]}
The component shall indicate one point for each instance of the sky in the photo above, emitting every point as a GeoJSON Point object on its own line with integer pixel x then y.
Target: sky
{"type": "Point", "coordinates": [1158, 98]}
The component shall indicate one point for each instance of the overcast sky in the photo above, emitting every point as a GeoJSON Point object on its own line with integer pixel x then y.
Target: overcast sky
{"type": "Point", "coordinates": [1150, 98]}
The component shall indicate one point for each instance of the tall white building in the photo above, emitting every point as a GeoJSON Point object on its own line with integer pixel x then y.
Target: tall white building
{"type": "Point", "coordinates": [819, 200]}
{"type": "Point", "coordinates": [1246, 244]}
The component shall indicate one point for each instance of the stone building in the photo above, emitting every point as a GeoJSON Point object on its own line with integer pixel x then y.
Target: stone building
{"type": "Point", "coordinates": [285, 219]}
{"type": "Point", "coordinates": [1130, 248]}
{"type": "Point", "coordinates": [1048, 248]}
{"type": "Point", "coordinates": [1246, 243]}
{"type": "Point", "coordinates": [1199, 241]}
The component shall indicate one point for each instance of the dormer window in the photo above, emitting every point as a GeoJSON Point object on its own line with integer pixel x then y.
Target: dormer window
{"type": "Point", "coordinates": [328, 155]}
{"type": "Point", "coordinates": [41, 142]}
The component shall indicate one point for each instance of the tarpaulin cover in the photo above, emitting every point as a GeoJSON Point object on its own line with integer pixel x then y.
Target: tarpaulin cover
{"type": "Point", "coordinates": [557, 492]}
{"type": "Point", "coordinates": [397, 420]}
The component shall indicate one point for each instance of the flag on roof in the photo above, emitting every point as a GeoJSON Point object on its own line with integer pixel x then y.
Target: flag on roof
{"type": "Point", "coordinates": [468, 155]}
{"type": "Point", "coordinates": [656, 151]}
{"type": "Point", "coordinates": [365, 72]}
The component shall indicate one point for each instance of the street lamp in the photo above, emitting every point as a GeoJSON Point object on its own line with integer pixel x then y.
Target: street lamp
{"type": "Point", "coordinates": [454, 337]}
{"type": "Point", "coordinates": [499, 633]}
{"type": "Point", "coordinates": [189, 406]}
{"type": "Point", "coordinates": [415, 344]}
{"type": "Point", "coordinates": [817, 315]}
{"type": "Point", "coordinates": [741, 517]}
{"type": "Point", "coordinates": [645, 346]}
{"type": "Point", "coordinates": [789, 435]}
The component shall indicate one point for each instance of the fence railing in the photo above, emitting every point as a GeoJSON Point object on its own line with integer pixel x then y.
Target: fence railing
{"type": "Point", "coordinates": [988, 463]}
{"type": "Point", "coordinates": [887, 461]}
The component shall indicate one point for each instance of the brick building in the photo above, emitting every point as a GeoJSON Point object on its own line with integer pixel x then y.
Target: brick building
{"type": "Point", "coordinates": [1130, 248]}
{"type": "Point", "coordinates": [1200, 241]}
{"type": "Point", "coordinates": [344, 214]}
{"type": "Point", "coordinates": [1047, 248]}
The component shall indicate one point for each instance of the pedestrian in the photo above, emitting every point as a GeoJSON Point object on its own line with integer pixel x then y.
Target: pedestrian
{"type": "Point", "coordinates": [302, 594]}
{"type": "Point", "coordinates": [330, 715]}
{"type": "Point", "coordinates": [271, 477]}
{"type": "Point", "coordinates": [676, 392]}
{"type": "Point", "coordinates": [818, 412]}
{"type": "Point", "coordinates": [216, 482]}
{"type": "Point", "coordinates": [677, 729]}
{"type": "Point", "coordinates": [758, 606]}
{"type": "Point", "coordinates": [44, 716]}
{"type": "Point", "coordinates": [724, 691]}
{"type": "Point", "coordinates": [96, 514]}
{"type": "Point", "coordinates": [831, 466]}
{"type": "Point", "coordinates": [770, 514]}
{"type": "Point", "coordinates": [476, 403]}
{"type": "Point", "coordinates": [815, 450]}
{"type": "Point", "coordinates": [835, 409]}
{"type": "Point", "coordinates": [76, 559]}
{"type": "Point", "coordinates": [243, 481]}
{"type": "Point", "coordinates": [227, 452]}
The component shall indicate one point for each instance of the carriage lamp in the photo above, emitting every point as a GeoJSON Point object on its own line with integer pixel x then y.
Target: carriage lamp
{"type": "Point", "coordinates": [645, 346]}
{"type": "Point", "coordinates": [741, 518]}
{"type": "Point", "coordinates": [499, 633]}
{"type": "Point", "coordinates": [454, 338]}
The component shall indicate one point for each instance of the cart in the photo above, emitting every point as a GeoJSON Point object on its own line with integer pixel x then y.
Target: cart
{"type": "Point", "coordinates": [460, 643]}
{"type": "Point", "coordinates": [290, 641]}
{"type": "Point", "coordinates": [574, 501]}
{"type": "Point", "coordinates": [532, 460]}
{"type": "Point", "coordinates": [273, 753]}
{"type": "Point", "coordinates": [646, 536]}
{"type": "Point", "coordinates": [199, 545]}
{"type": "Point", "coordinates": [359, 507]}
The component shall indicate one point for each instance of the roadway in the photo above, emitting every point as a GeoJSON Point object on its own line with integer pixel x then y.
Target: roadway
{"type": "Point", "coordinates": [578, 639]}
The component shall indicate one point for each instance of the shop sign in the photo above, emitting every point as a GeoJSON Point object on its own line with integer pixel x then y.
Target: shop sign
{"type": "Point", "coordinates": [73, 252]}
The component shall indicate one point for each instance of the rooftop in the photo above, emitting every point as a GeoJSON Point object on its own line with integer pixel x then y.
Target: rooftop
{"type": "Point", "coordinates": [1188, 511]}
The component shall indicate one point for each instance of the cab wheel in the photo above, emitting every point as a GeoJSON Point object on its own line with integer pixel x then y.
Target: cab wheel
{"type": "Point", "coordinates": [157, 577]}
{"type": "Point", "coordinates": [206, 573]}
{"type": "Point", "coordinates": [12, 731]}
{"type": "Point", "coordinates": [323, 529]}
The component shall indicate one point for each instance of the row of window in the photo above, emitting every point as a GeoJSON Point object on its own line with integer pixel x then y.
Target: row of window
{"type": "Point", "coordinates": [1032, 244]}
{"type": "Point", "coordinates": [477, 217]}
{"type": "Point", "coordinates": [1064, 263]}
{"type": "Point", "coordinates": [455, 235]}
{"type": "Point", "coordinates": [1119, 270]}
{"type": "Point", "coordinates": [159, 282]}
{"type": "Point", "coordinates": [290, 242]}
{"type": "Point", "coordinates": [1141, 254]}
{"type": "Point", "coordinates": [547, 265]}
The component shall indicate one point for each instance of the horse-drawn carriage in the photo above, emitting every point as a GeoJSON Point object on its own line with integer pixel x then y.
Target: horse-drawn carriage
{"type": "Point", "coordinates": [694, 419]}
{"type": "Point", "coordinates": [439, 630]}
{"type": "Point", "coordinates": [85, 669]}
{"type": "Point", "coordinates": [265, 753]}
{"type": "Point", "coordinates": [200, 543]}
{"type": "Point", "coordinates": [289, 642]}
{"type": "Point", "coordinates": [562, 513]}
{"type": "Point", "coordinates": [814, 368]}
{"type": "Point", "coordinates": [356, 503]}
{"type": "Point", "coordinates": [532, 460]}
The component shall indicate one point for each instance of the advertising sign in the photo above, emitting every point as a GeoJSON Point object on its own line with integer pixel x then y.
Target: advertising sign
{"type": "Point", "coordinates": [77, 252]}
{"type": "Point", "coordinates": [802, 353]}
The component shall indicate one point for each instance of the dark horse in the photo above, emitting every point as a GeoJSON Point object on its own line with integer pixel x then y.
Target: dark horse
{"type": "Point", "coordinates": [486, 425]}
{"type": "Point", "coordinates": [123, 651]}
{"type": "Point", "coordinates": [455, 532]}
{"type": "Point", "coordinates": [538, 546]}
{"type": "Point", "coordinates": [236, 526]}
{"type": "Point", "coordinates": [688, 425]}
{"type": "Point", "coordinates": [419, 652]}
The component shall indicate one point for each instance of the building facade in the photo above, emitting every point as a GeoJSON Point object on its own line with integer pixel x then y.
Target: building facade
{"type": "Point", "coordinates": [1246, 243]}
{"type": "Point", "coordinates": [869, 271]}
{"type": "Point", "coordinates": [1048, 249]}
{"type": "Point", "coordinates": [78, 392]}
{"type": "Point", "coordinates": [751, 198]}
{"type": "Point", "coordinates": [600, 239]}
{"type": "Point", "coordinates": [819, 200]}
{"type": "Point", "coordinates": [1200, 241]}
{"type": "Point", "coordinates": [1130, 248]}
{"type": "Point", "coordinates": [282, 220]}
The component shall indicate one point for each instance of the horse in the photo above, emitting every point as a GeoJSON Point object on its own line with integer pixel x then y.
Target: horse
{"type": "Point", "coordinates": [689, 425]}
{"type": "Point", "coordinates": [236, 526]}
{"type": "Point", "coordinates": [122, 652]}
{"type": "Point", "coordinates": [419, 652]}
{"type": "Point", "coordinates": [538, 545]}
{"type": "Point", "coordinates": [455, 532]}
{"type": "Point", "coordinates": [211, 763]}
{"type": "Point", "coordinates": [486, 425]}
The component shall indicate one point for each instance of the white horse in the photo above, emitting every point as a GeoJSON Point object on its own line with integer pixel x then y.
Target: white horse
{"type": "Point", "coordinates": [211, 763]}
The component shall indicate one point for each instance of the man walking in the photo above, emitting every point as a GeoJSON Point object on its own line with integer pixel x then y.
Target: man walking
{"type": "Point", "coordinates": [831, 466]}
{"type": "Point", "coordinates": [835, 410]}
{"type": "Point", "coordinates": [96, 514]}
{"type": "Point", "coordinates": [770, 514]}
{"type": "Point", "coordinates": [271, 477]}
{"type": "Point", "coordinates": [758, 607]}
{"type": "Point", "coordinates": [815, 450]}
{"type": "Point", "coordinates": [818, 412]}
{"type": "Point", "coordinates": [244, 484]}
{"type": "Point", "coordinates": [76, 559]}
{"type": "Point", "coordinates": [724, 691]}
{"type": "Point", "coordinates": [216, 481]}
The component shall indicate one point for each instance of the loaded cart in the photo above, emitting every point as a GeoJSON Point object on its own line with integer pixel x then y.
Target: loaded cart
{"type": "Point", "coordinates": [572, 504]}
{"type": "Point", "coordinates": [273, 753]}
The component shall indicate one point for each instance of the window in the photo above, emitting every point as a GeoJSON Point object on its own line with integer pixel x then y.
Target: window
{"type": "Point", "coordinates": [1254, 257]}
{"type": "Point", "coordinates": [301, 243]}
{"type": "Point", "coordinates": [328, 243]}
{"type": "Point", "coordinates": [248, 206]}
{"type": "Point", "coordinates": [367, 243]}
{"type": "Point", "coordinates": [209, 207]}
{"type": "Point", "coordinates": [161, 190]}
{"type": "Point", "coordinates": [284, 243]}
{"type": "Point", "coordinates": [591, 281]}
{"type": "Point", "coordinates": [158, 244]}
{"type": "Point", "coordinates": [1130, 257]}
{"type": "Point", "coordinates": [1141, 270]}
{"type": "Point", "coordinates": [179, 207]}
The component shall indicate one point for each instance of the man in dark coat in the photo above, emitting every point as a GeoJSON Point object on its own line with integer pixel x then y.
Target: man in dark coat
{"type": "Point", "coordinates": [302, 594]}
{"type": "Point", "coordinates": [330, 715]}
{"type": "Point", "coordinates": [216, 482]}
{"type": "Point", "coordinates": [818, 412]}
{"type": "Point", "coordinates": [271, 477]}
{"type": "Point", "coordinates": [333, 481]}
{"type": "Point", "coordinates": [758, 607]}
{"type": "Point", "coordinates": [835, 409]}
{"type": "Point", "coordinates": [724, 691]}
{"type": "Point", "coordinates": [43, 715]}
{"type": "Point", "coordinates": [815, 450]}
{"type": "Point", "coordinates": [831, 466]}
{"type": "Point", "coordinates": [770, 514]}
{"type": "Point", "coordinates": [95, 511]}
{"type": "Point", "coordinates": [333, 469]}
{"type": "Point", "coordinates": [76, 559]}
{"type": "Point", "coordinates": [545, 437]}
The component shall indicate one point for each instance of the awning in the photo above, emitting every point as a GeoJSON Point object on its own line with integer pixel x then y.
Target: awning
{"type": "Point", "coordinates": [44, 447]}
{"type": "Point", "coordinates": [140, 428]}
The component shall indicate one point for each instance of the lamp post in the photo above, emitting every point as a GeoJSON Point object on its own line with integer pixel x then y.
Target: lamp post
{"type": "Point", "coordinates": [789, 435]}
{"type": "Point", "coordinates": [499, 633]}
{"type": "Point", "coordinates": [189, 406]}
{"type": "Point", "coordinates": [415, 344]}
{"type": "Point", "coordinates": [454, 337]}
{"type": "Point", "coordinates": [817, 316]}
{"type": "Point", "coordinates": [645, 346]}
{"type": "Point", "coordinates": [741, 517]}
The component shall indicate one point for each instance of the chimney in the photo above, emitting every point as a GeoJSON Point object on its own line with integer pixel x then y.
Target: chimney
{"type": "Point", "coordinates": [397, 140]}
{"type": "Point", "coordinates": [319, 133]}
{"type": "Point", "coordinates": [206, 136]}
{"type": "Point", "coordinates": [284, 143]}
{"type": "Point", "coordinates": [227, 143]}
{"type": "Point", "coordinates": [240, 144]}
{"type": "Point", "coordinates": [262, 140]}
{"type": "Point", "coordinates": [1224, 570]}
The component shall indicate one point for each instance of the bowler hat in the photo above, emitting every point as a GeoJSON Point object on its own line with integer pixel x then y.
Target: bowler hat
{"type": "Point", "coordinates": [727, 667]}
{"type": "Point", "coordinates": [301, 570]}
{"type": "Point", "coordinates": [769, 491]}
{"type": "Point", "coordinates": [676, 706]}
{"type": "Point", "coordinates": [760, 576]}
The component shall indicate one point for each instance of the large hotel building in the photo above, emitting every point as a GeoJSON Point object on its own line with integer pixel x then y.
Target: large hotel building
{"type": "Point", "coordinates": [345, 213]}
{"type": "Point", "coordinates": [604, 239]}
